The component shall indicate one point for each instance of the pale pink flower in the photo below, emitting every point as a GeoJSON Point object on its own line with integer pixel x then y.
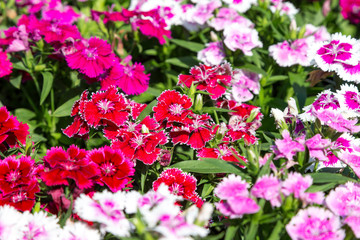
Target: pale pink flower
{"type": "Point", "coordinates": [268, 187]}
{"type": "Point", "coordinates": [345, 200]}
{"type": "Point", "coordinates": [240, 5]}
{"type": "Point", "coordinates": [287, 54]}
{"type": "Point", "coordinates": [213, 54]}
{"type": "Point", "coordinates": [287, 147]}
{"type": "Point", "coordinates": [319, 33]}
{"type": "Point", "coordinates": [354, 222]}
{"type": "Point", "coordinates": [336, 121]}
{"type": "Point", "coordinates": [228, 16]}
{"type": "Point", "coordinates": [330, 55]}
{"type": "Point", "coordinates": [284, 8]}
{"type": "Point", "coordinates": [296, 184]}
{"type": "Point", "coordinates": [315, 223]}
{"type": "Point", "coordinates": [317, 147]}
{"type": "Point", "coordinates": [10, 223]}
{"type": "Point", "coordinates": [238, 37]}
{"type": "Point", "coordinates": [234, 196]}
{"type": "Point", "coordinates": [79, 231]}
{"type": "Point", "coordinates": [351, 159]}
{"type": "Point", "coordinates": [245, 84]}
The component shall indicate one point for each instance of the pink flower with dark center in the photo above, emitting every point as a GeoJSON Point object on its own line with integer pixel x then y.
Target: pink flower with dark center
{"type": "Point", "coordinates": [180, 184]}
{"type": "Point", "coordinates": [329, 55]}
{"type": "Point", "coordinates": [92, 57]}
{"type": "Point", "coordinates": [11, 130]}
{"type": "Point", "coordinates": [61, 165]}
{"type": "Point", "coordinates": [315, 223]}
{"type": "Point", "coordinates": [238, 37]}
{"type": "Point", "coordinates": [6, 65]}
{"type": "Point", "coordinates": [287, 147]}
{"type": "Point", "coordinates": [105, 106]}
{"type": "Point", "coordinates": [235, 197]}
{"type": "Point", "coordinates": [172, 107]}
{"type": "Point", "coordinates": [268, 188]}
{"type": "Point", "coordinates": [115, 168]}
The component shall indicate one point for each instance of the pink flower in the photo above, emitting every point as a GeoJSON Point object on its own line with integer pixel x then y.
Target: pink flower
{"type": "Point", "coordinates": [240, 5]}
{"type": "Point", "coordinates": [317, 147]}
{"type": "Point", "coordinates": [245, 83]}
{"type": "Point", "coordinates": [349, 99]}
{"type": "Point", "coordinates": [60, 13]}
{"type": "Point", "coordinates": [354, 222]}
{"type": "Point", "coordinates": [349, 72]}
{"type": "Point", "coordinates": [296, 184]}
{"type": "Point", "coordinates": [286, 8]}
{"type": "Point", "coordinates": [351, 159]}
{"type": "Point", "coordinates": [115, 168]}
{"type": "Point", "coordinates": [287, 54]}
{"type": "Point", "coordinates": [268, 187]}
{"type": "Point", "coordinates": [238, 37]}
{"type": "Point", "coordinates": [350, 9]}
{"type": "Point", "coordinates": [61, 165]}
{"type": "Point", "coordinates": [180, 184]}
{"type": "Point", "coordinates": [6, 65]}
{"type": "Point", "coordinates": [315, 223]}
{"type": "Point", "coordinates": [92, 57]}
{"type": "Point", "coordinates": [336, 121]}
{"type": "Point", "coordinates": [213, 54]}
{"type": "Point", "coordinates": [234, 196]}
{"type": "Point", "coordinates": [319, 33]}
{"type": "Point", "coordinates": [57, 31]}
{"type": "Point", "coordinates": [329, 55]}
{"type": "Point", "coordinates": [227, 16]}
{"type": "Point", "coordinates": [345, 200]}
{"type": "Point", "coordinates": [287, 147]}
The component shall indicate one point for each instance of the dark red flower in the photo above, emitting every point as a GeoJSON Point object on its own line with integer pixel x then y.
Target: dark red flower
{"type": "Point", "coordinates": [115, 168]}
{"type": "Point", "coordinates": [61, 165]}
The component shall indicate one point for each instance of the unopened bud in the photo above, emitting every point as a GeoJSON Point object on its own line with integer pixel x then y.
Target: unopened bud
{"type": "Point", "coordinates": [198, 102]}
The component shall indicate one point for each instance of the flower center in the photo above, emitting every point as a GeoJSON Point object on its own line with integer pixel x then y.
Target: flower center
{"type": "Point", "coordinates": [13, 176]}
{"type": "Point", "coordinates": [105, 106]}
{"type": "Point", "coordinates": [108, 169]}
{"type": "Point", "coordinates": [176, 109]}
{"type": "Point", "coordinates": [137, 141]}
{"type": "Point", "coordinates": [91, 53]}
{"type": "Point", "coordinates": [22, 196]}
{"type": "Point", "coordinates": [176, 189]}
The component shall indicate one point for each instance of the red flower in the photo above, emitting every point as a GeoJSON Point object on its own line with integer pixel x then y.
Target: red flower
{"type": "Point", "coordinates": [16, 173]}
{"type": "Point", "coordinates": [11, 130]}
{"type": "Point", "coordinates": [180, 184]}
{"type": "Point", "coordinates": [222, 152]}
{"type": "Point", "coordinates": [211, 79]}
{"type": "Point", "coordinates": [61, 165]}
{"type": "Point", "coordinates": [172, 106]}
{"type": "Point", "coordinates": [105, 106]}
{"type": "Point", "coordinates": [92, 57]}
{"type": "Point", "coordinates": [115, 168]}
{"type": "Point", "coordinates": [196, 134]}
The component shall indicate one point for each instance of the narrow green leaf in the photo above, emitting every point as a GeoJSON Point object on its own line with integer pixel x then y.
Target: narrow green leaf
{"type": "Point", "coordinates": [16, 81]}
{"type": "Point", "coordinates": [276, 233]}
{"type": "Point", "coordinates": [329, 178]}
{"type": "Point", "coordinates": [184, 62]}
{"type": "Point", "coordinates": [65, 109]}
{"type": "Point", "coordinates": [19, 65]}
{"type": "Point", "coordinates": [231, 232]}
{"type": "Point", "coordinates": [192, 46]}
{"type": "Point", "coordinates": [48, 79]}
{"type": "Point", "coordinates": [146, 111]}
{"type": "Point", "coordinates": [211, 109]}
{"type": "Point", "coordinates": [321, 188]}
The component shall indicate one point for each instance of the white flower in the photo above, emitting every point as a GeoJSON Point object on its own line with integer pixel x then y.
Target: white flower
{"type": "Point", "coordinates": [79, 231]}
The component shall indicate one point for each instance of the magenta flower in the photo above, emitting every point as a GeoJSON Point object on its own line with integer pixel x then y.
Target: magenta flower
{"type": "Point", "coordinates": [315, 223]}
{"type": "Point", "coordinates": [349, 99]}
{"type": "Point", "coordinates": [296, 184]}
{"type": "Point", "coordinates": [234, 196]}
{"type": "Point", "coordinates": [317, 147]}
{"type": "Point", "coordinates": [350, 10]}
{"type": "Point", "coordinates": [351, 159]}
{"type": "Point", "coordinates": [6, 65]}
{"type": "Point", "coordinates": [92, 57]}
{"type": "Point", "coordinates": [287, 147]}
{"type": "Point", "coordinates": [336, 121]}
{"type": "Point", "coordinates": [268, 188]}
{"type": "Point", "coordinates": [238, 37]}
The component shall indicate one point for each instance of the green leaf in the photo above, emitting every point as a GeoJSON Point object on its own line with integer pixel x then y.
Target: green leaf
{"type": "Point", "coordinates": [265, 170]}
{"type": "Point", "coordinates": [330, 178]}
{"type": "Point", "coordinates": [184, 62]}
{"type": "Point", "coordinates": [321, 188]}
{"type": "Point", "coordinates": [48, 79]}
{"type": "Point", "coordinates": [211, 109]}
{"type": "Point", "coordinates": [24, 114]}
{"type": "Point", "coordinates": [146, 111]}
{"type": "Point", "coordinates": [231, 232]}
{"type": "Point", "coordinates": [274, 79]}
{"type": "Point", "coordinates": [208, 166]}
{"type": "Point", "coordinates": [16, 82]}
{"type": "Point", "coordinates": [254, 69]}
{"type": "Point", "coordinates": [19, 65]}
{"type": "Point", "coordinates": [276, 233]}
{"type": "Point", "coordinates": [65, 109]}
{"type": "Point", "coordinates": [192, 46]}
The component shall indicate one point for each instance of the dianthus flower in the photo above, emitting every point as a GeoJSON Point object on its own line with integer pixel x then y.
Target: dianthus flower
{"type": "Point", "coordinates": [349, 99]}
{"type": "Point", "coordinates": [195, 133]}
{"type": "Point", "coordinates": [287, 147]}
{"type": "Point", "coordinates": [235, 198]}
{"type": "Point", "coordinates": [57, 31]}
{"type": "Point", "coordinates": [11, 130]}
{"type": "Point", "coordinates": [287, 54]}
{"type": "Point", "coordinates": [315, 223]}
{"type": "Point", "coordinates": [172, 107]}
{"type": "Point", "coordinates": [213, 54]}
{"type": "Point", "coordinates": [212, 79]}
{"type": "Point", "coordinates": [336, 121]}
{"type": "Point", "coordinates": [56, 11]}
{"type": "Point", "coordinates": [105, 106]}
{"type": "Point", "coordinates": [349, 72]}
{"type": "Point", "coordinates": [268, 188]}
{"type": "Point", "coordinates": [317, 147]}
{"type": "Point", "coordinates": [245, 84]}
{"type": "Point", "coordinates": [92, 57]}
{"type": "Point", "coordinates": [238, 37]}
{"type": "Point", "coordinates": [115, 168]}
{"type": "Point", "coordinates": [227, 16]}
{"type": "Point", "coordinates": [6, 65]}
{"type": "Point", "coordinates": [319, 33]}
{"type": "Point", "coordinates": [286, 8]}
{"type": "Point", "coordinates": [10, 222]}
{"type": "Point", "coordinates": [350, 10]}
{"type": "Point", "coordinates": [180, 184]}
{"type": "Point", "coordinates": [61, 165]}
{"type": "Point", "coordinates": [331, 54]}
{"type": "Point", "coordinates": [79, 231]}
{"type": "Point", "coordinates": [352, 159]}
{"type": "Point", "coordinates": [240, 5]}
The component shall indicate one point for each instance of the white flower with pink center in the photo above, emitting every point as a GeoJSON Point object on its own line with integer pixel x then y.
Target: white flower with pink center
{"type": "Point", "coordinates": [349, 98]}
{"type": "Point", "coordinates": [79, 231]}
{"type": "Point", "coordinates": [330, 55]}
{"type": "Point", "coordinates": [315, 223]}
{"type": "Point", "coordinates": [240, 5]}
{"type": "Point", "coordinates": [285, 8]}
{"type": "Point", "coordinates": [10, 223]}
{"type": "Point", "coordinates": [40, 226]}
{"type": "Point", "coordinates": [238, 37]}
{"type": "Point", "coordinates": [227, 16]}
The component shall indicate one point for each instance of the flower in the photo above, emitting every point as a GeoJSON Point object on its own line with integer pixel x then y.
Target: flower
{"type": "Point", "coordinates": [240, 5]}
{"type": "Point", "coordinates": [92, 57]}
{"type": "Point", "coordinates": [245, 84]}
{"type": "Point", "coordinates": [284, 8]}
{"type": "Point", "coordinates": [57, 31]}
{"type": "Point", "coordinates": [234, 196]}
{"type": "Point", "coordinates": [317, 147]}
{"type": "Point", "coordinates": [115, 169]}
{"type": "Point", "coordinates": [61, 165]}
{"type": "Point", "coordinates": [10, 223]}
{"type": "Point", "coordinates": [227, 16]}
{"type": "Point", "coordinates": [79, 231]}
{"type": "Point", "coordinates": [238, 37]}
{"type": "Point", "coordinates": [6, 65]}
{"type": "Point", "coordinates": [287, 147]}
{"type": "Point", "coordinates": [350, 10]}
{"type": "Point", "coordinates": [315, 223]}
{"type": "Point", "coordinates": [268, 187]}
{"type": "Point", "coordinates": [180, 184]}
{"type": "Point", "coordinates": [213, 54]}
